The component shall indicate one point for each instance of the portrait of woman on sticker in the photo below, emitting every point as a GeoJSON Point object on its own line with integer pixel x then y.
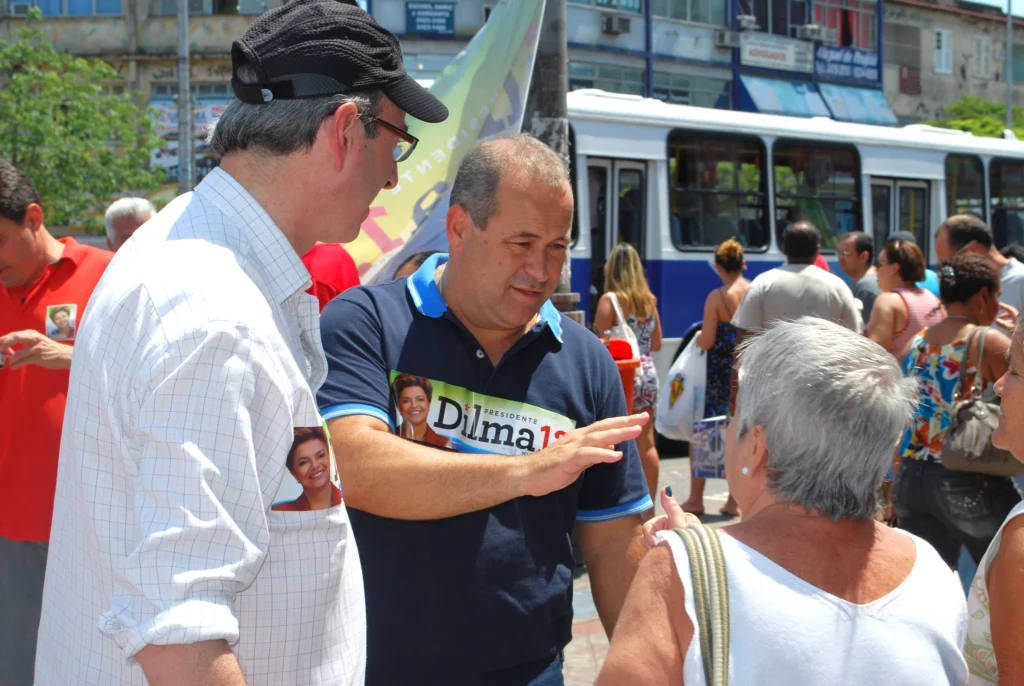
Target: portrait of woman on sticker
{"type": "Point", "coordinates": [62, 318]}
{"type": "Point", "coordinates": [413, 395]}
{"type": "Point", "coordinates": [309, 461]}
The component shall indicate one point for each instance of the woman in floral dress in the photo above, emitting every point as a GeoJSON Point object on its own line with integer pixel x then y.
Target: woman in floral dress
{"type": "Point", "coordinates": [952, 508]}
{"type": "Point", "coordinates": [624, 281]}
{"type": "Point", "coordinates": [718, 337]}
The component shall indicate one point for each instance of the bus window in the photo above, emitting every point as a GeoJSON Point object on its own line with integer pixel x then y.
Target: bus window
{"type": "Point", "coordinates": [819, 183]}
{"type": "Point", "coordinates": [716, 190]}
{"type": "Point", "coordinates": [1006, 180]}
{"type": "Point", "coordinates": [965, 185]}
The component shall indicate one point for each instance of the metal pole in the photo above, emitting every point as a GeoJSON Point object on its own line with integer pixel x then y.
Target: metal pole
{"type": "Point", "coordinates": [185, 134]}
{"type": "Point", "coordinates": [547, 115]}
{"type": "Point", "coordinates": [1009, 64]}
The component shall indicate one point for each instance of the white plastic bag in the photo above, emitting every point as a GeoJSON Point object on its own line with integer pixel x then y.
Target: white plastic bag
{"type": "Point", "coordinates": [682, 394]}
{"type": "Point", "coordinates": [621, 329]}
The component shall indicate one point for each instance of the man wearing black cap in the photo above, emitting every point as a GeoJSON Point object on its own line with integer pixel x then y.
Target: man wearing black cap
{"type": "Point", "coordinates": [200, 535]}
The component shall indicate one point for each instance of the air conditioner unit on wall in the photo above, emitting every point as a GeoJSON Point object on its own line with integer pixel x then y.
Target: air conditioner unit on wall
{"type": "Point", "coordinates": [747, 22]}
{"type": "Point", "coordinates": [727, 39]}
{"type": "Point", "coordinates": [615, 24]}
{"type": "Point", "coordinates": [19, 9]}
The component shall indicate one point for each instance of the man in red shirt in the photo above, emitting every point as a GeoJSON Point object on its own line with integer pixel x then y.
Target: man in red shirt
{"type": "Point", "coordinates": [45, 284]}
{"type": "Point", "coordinates": [333, 271]}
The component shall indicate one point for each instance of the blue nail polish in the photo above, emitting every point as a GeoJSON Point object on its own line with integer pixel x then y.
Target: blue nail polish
{"type": "Point", "coordinates": [668, 491]}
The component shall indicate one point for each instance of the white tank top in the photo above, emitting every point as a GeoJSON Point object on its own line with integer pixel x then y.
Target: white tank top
{"type": "Point", "coordinates": [981, 656]}
{"type": "Point", "coordinates": [784, 631]}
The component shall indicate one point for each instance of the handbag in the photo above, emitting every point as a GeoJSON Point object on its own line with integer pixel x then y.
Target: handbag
{"type": "Point", "coordinates": [621, 329]}
{"type": "Point", "coordinates": [710, 599]}
{"type": "Point", "coordinates": [681, 401]}
{"type": "Point", "coordinates": [967, 445]}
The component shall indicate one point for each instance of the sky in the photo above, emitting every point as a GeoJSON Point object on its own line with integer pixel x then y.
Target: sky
{"type": "Point", "coordinates": [1018, 5]}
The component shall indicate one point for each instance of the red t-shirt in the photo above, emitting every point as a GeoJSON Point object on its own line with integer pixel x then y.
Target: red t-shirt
{"type": "Point", "coordinates": [32, 398]}
{"type": "Point", "coordinates": [333, 270]}
{"type": "Point", "coordinates": [822, 263]}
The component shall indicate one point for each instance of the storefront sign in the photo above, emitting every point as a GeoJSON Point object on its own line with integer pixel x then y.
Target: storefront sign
{"type": "Point", "coordinates": [436, 18]}
{"type": "Point", "coordinates": [776, 52]}
{"type": "Point", "coordinates": [846, 63]}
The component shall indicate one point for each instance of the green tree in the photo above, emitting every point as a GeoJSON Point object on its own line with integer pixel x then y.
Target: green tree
{"type": "Point", "coordinates": [79, 144]}
{"type": "Point", "coordinates": [980, 117]}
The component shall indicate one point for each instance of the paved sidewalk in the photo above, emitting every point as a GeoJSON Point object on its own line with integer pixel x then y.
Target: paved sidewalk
{"type": "Point", "coordinates": [585, 654]}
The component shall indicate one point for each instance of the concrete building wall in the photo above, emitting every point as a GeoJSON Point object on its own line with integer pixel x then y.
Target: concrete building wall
{"type": "Point", "coordinates": [943, 80]}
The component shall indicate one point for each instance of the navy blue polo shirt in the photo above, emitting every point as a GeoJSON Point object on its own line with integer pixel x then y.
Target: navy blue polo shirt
{"type": "Point", "coordinates": [483, 597]}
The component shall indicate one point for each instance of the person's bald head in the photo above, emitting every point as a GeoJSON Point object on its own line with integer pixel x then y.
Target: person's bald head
{"type": "Point", "coordinates": [520, 160]}
{"type": "Point", "coordinates": [801, 242]}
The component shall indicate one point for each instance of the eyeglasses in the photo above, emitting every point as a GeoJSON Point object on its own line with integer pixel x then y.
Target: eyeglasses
{"type": "Point", "coordinates": [846, 253]}
{"type": "Point", "coordinates": [406, 141]}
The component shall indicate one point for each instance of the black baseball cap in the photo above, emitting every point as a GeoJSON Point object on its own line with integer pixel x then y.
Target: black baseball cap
{"type": "Point", "coordinates": [319, 48]}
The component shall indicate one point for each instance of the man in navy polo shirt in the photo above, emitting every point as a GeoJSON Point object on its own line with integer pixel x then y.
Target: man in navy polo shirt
{"type": "Point", "coordinates": [474, 425]}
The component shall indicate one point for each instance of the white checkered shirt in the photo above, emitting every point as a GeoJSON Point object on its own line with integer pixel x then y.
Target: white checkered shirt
{"type": "Point", "coordinates": [192, 371]}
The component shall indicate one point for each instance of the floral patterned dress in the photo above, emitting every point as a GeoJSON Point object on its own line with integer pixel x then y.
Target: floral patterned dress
{"type": "Point", "coordinates": [719, 371]}
{"type": "Point", "coordinates": [978, 651]}
{"type": "Point", "coordinates": [645, 382]}
{"type": "Point", "coordinates": [937, 369]}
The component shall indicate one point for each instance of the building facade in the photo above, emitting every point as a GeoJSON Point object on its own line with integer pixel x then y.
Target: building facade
{"type": "Point", "coordinates": [797, 57]}
{"type": "Point", "coordinates": [937, 53]}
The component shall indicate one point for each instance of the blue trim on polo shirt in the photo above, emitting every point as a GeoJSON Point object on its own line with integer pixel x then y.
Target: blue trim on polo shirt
{"type": "Point", "coordinates": [354, 409]}
{"type": "Point", "coordinates": [617, 512]}
{"type": "Point", "coordinates": [428, 300]}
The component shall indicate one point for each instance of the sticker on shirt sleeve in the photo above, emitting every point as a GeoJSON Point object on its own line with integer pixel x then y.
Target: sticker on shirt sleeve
{"type": "Point", "coordinates": [313, 480]}
{"type": "Point", "coordinates": [446, 416]}
{"type": "Point", "coordinates": [61, 321]}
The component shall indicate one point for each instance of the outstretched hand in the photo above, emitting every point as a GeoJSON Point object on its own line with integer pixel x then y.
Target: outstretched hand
{"type": "Point", "coordinates": [674, 518]}
{"type": "Point", "coordinates": [559, 465]}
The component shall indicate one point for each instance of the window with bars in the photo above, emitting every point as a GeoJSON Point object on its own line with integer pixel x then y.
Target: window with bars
{"type": "Point", "coordinates": [965, 185]}
{"type": "Point", "coordinates": [716, 190]}
{"type": "Point", "coordinates": [855, 21]}
{"type": "Point", "coordinates": [691, 90]}
{"type": "Point", "coordinates": [78, 8]}
{"type": "Point", "coordinates": [903, 45]}
{"type": "Point", "coordinates": [982, 57]}
{"type": "Point", "coordinates": [779, 17]}
{"type": "Point", "coordinates": [1006, 183]}
{"type": "Point", "coordinates": [819, 183]}
{"type": "Point", "coordinates": [1018, 62]}
{"type": "Point", "coordinates": [943, 51]}
{"type": "Point", "coordinates": [606, 77]}
{"type": "Point", "coordinates": [200, 91]}
{"type": "Point", "coordinates": [214, 7]}
{"type": "Point", "coordinates": [698, 11]}
{"type": "Point", "coordinates": [636, 6]}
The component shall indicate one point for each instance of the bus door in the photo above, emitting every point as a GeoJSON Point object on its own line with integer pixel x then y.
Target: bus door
{"type": "Point", "coordinates": [616, 190]}
{"type": "Point", "coordinates": [900, 205]}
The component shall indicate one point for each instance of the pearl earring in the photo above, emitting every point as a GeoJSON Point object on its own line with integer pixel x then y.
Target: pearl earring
{"type": "Point", "coordinates": [745, 471]}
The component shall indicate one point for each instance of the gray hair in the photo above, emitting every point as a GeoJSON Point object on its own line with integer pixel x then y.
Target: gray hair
{"type": "Point", "coordinates": [284, 127]}
{"type": "Point", "coordinates": [833, 405]}
{"type": "Point", "coordinates": [476, 183]}
{"type": "Point", "coordinates": [134, 208]}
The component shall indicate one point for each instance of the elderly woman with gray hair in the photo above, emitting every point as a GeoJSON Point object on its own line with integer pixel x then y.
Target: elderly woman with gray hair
{"type": "Point", "coordinates": [819, 592]}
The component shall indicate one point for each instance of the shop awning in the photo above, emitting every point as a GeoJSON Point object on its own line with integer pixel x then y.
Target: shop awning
{"type": "Point", "coordinates": [859, 105]}
{"type": "Point", "coordinates": [775, 96]}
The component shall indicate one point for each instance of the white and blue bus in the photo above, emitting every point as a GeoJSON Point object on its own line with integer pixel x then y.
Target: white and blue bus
{"type": "Point", "coordinates": [675, 181]}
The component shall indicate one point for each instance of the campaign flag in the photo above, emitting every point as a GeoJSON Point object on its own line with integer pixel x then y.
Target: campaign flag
{"type": "Point", "coordinates": [485, 88]}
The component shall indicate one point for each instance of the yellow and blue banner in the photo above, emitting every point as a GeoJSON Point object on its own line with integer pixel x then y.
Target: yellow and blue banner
{"type": "Point", "coordinates": [485, 88]}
